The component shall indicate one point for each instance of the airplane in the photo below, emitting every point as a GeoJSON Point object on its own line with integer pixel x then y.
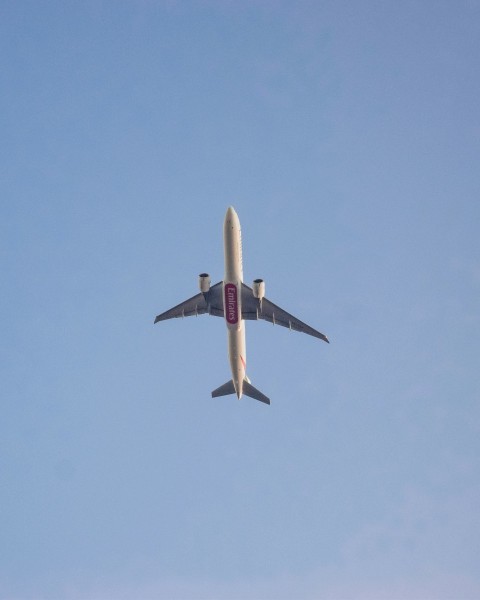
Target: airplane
{"type": "Point", "coordinates": [236, 302]}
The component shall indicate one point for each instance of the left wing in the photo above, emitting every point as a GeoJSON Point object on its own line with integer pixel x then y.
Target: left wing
{"type": "Point", "coordinates": [253, 309]}
{"type": "Point", "coordinates": [211, 302]}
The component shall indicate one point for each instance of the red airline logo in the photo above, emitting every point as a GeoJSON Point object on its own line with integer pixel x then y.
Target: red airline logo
{"type": "Point", "coordinates": [231, 305]}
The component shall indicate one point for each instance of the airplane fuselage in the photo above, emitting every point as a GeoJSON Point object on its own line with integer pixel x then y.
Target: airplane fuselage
{"type": "Point", "coordinates": [232, 298]}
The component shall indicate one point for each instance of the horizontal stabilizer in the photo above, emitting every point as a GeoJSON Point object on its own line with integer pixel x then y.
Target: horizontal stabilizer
{"type": "Point", "coordinates": [252, 392]}
{"type": "Point", "coordinates": [224, 390]}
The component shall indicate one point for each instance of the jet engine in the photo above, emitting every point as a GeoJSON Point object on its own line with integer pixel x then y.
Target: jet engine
{"type": "Point", "coordinates": [204, 282]}
{"type": "Point", "coordinates": [259, 288]}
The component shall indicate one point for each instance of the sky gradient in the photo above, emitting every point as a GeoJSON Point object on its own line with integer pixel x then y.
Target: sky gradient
{"type": "Point", "coordinates": [347, 137]}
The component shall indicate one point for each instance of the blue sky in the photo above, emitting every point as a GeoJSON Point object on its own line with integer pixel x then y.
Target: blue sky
{"type": "Point", "coordinates": [346, 135]}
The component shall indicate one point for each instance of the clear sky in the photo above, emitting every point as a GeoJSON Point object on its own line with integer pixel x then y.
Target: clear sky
{"type": "Point", "coordinates": [347, 136]}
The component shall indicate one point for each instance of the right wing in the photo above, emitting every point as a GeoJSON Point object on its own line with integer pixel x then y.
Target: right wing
{"type": "Point", "coordinates": [211, 302]}
{"type": "Point", "coordinates": [252, 309]}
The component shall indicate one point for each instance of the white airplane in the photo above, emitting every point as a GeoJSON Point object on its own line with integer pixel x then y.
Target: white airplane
{"type": "Point", "coordinates": [236, 302]}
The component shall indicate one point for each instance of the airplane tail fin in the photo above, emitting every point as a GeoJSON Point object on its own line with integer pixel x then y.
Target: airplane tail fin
{"type": "Point", "coordinates": [224, 390]}
{"type": "Point", "coordinates": [251, 391]}
{"type": "Point", "coordinates": [248, 389]}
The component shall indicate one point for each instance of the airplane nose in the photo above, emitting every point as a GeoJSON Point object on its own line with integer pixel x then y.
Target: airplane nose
{"type": "Point", "coordinates": [232, 218]}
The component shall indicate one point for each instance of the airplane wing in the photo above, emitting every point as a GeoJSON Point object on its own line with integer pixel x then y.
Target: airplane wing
{"type": "Point", "coordinates": [211, 303]}
{"type": "Point", "coordinates": [268, 311]}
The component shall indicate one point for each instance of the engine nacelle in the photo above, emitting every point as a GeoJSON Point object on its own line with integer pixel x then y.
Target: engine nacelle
{"type": "Point", "coordinates": [204, 282]}
{"type": "Point", "coordinates": [259, 288]}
